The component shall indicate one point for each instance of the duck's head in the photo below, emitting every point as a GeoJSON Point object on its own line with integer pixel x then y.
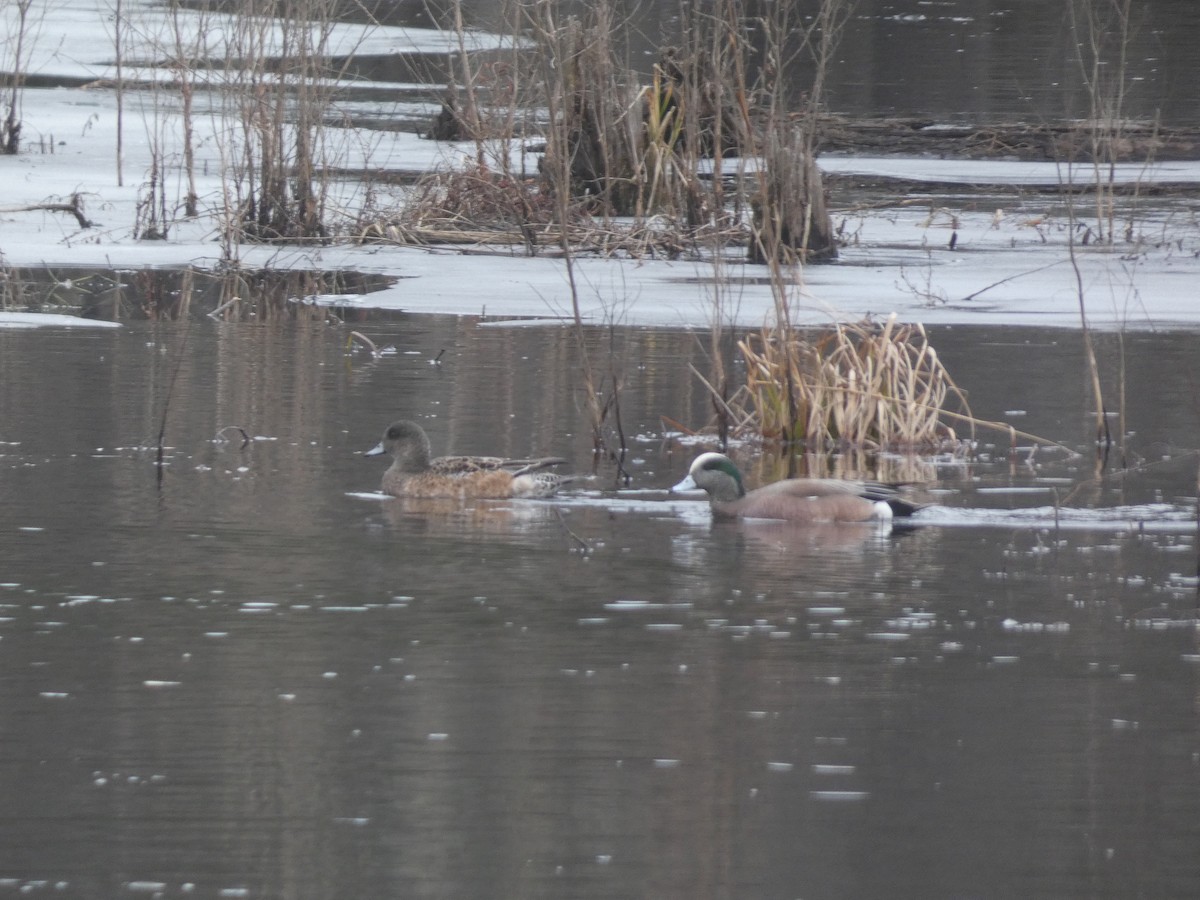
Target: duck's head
{"type": "Point", "coordinates": [407, 443]}
{"type": "Point", "coordinates": [716, 474]}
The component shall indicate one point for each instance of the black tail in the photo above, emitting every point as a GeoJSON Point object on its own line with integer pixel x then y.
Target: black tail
{"type": "Point", "coordinates": [888, 493]}
{"type": "Point", "coordinates": [902, 507]}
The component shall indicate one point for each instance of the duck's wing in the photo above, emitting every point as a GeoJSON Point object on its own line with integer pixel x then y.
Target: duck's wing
{"type": "Point", "coordinates": [539, 484]}
{"type": "Point", "coordinates": [875, 491]}
{"type": "Point", "coordinates": [891, 495]}
{"type": "Point", "coordinates": [458, 466]}
{"type": "Point", "coordinates": [824, 487]}
{"type": "Point", "coordinates": [525, 466]}
{"type": "Point", "coordinates": [805, 501]}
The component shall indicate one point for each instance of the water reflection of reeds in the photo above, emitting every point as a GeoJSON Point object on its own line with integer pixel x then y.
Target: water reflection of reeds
{"type": "Point", "coordinates": [180, 293]}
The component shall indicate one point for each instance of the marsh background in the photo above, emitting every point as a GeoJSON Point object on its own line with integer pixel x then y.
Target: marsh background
{"type": "Point", "coordinates": [254, 678]}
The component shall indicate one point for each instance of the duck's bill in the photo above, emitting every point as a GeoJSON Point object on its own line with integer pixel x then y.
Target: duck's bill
{"type": "Point", "coordinates": [377, 450]}
{"type": "Point", "coordinates": [686, 485]}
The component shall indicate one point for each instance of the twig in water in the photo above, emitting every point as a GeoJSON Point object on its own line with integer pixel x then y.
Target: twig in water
{"type": "Point", "coordinates": [584, 547]}
{"type": "Point", "coordinates": [238, 428]}
{"type": "Point", "coordinates": [366, 340]}
{"type": "Point", "coordinates": [678, 426]}
{"type": "Point", "coordinates": [995, 284]}
{"type": "Point", "coordinates": [717, 399]}
{"type": "Point", "coordinates": [224, 306]}
{"type": "Point", "coordinates": [162, 427]}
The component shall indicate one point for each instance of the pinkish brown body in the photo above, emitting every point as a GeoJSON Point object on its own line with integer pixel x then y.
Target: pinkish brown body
{"type": "Point", "coordinates": [801, 500]}
{"type": "Point", "coordinates": [414, 474]}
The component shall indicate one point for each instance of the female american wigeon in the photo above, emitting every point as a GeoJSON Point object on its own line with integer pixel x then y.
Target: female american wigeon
{"type": "Point", "coordinates": [414, 474]}
{"type": "Point", "coordinates": [801, 500]}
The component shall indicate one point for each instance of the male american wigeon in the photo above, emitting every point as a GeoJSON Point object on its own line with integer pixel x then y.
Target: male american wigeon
{"type": "Point", "coordinates": [801, 500]}
{"type": "Point", "coordinates": [414, 474]}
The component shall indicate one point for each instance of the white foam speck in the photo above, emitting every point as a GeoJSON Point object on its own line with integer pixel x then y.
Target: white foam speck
{"type": "Point", "coordinates": [839, 796]}
{"type": "Point", "coordinates": [833, 770]}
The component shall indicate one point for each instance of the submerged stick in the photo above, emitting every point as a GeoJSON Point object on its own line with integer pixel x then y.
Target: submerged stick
{"type": "Point", "coordinates": [238, 428]}
{"type": "Point", "coordinates": [224, 306]}
{"type": "Point", "coordinates": [364, 339]}
{"type": "Point", "coordinates": [679, 426]}
{"type": "Point", "coordinates": [584, 547]}
{"type": "Point", "coordinates": [162, 427]}
{"type": "Point", "coordinates": [717, 399]}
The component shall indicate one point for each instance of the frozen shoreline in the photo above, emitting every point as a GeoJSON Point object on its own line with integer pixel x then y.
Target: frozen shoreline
{"type": "Point", "coordinates": [1010, 264]}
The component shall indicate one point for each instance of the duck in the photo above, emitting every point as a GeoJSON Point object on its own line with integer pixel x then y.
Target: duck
{"type": "Point", "coordinates": [806, 501]}
{"type": "Point", "coordinates": [414, 473]}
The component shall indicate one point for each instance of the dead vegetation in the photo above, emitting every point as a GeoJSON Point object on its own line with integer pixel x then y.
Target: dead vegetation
{"type": "Point", "coordinates": [864, 385]}
{"type": "Point", "coordinates": [637, 159]}
{"type": "Point", "coordinates": [481, 207]}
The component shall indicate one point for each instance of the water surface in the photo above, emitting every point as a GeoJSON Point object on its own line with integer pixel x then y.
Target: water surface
{"type": "Point", "coordinates": [966, 60]}
{"type": "Point", "coordinates": [255, 679]}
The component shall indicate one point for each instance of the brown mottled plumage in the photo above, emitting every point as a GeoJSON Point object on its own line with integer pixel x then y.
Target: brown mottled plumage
{"type": "Point", "coordinates": [801, 500]}
{"type": "Point", "coordinates": [414, 474]}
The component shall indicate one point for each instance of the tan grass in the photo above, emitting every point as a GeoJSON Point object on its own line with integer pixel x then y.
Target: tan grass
{"type": "Point", "coordinates": [481, 206]}
{"type": "Point", "coordinates": [866, 385]}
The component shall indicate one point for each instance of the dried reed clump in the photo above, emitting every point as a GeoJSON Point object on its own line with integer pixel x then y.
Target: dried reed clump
{"type": "Point", "coordinates": [472, 205]}
{"type": "Point", "coordinates": [630, 164]}
{"type": "Point", "coordinates": [480, 206]}
{"type": "Point", "coordinates": [865, 385]}
{"type": "Point", "coordinates": [477, 198]}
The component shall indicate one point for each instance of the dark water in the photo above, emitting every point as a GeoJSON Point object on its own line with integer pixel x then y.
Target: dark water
{"type": "Point", "coordinates": [963, 60]}
{"type": "Point", "coordinates": [173, 293]}
{"type": "Point", "coordinates": [253, 681]}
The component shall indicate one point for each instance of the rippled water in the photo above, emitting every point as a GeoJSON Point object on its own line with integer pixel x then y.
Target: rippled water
{"type": "Point", "coordinates": [260, 680]}
{"type": "Point", "coordinates": [968, 60]}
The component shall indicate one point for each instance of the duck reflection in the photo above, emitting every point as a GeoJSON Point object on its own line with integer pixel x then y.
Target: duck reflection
{"type": "Point", "coordinates": [451, 517]}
